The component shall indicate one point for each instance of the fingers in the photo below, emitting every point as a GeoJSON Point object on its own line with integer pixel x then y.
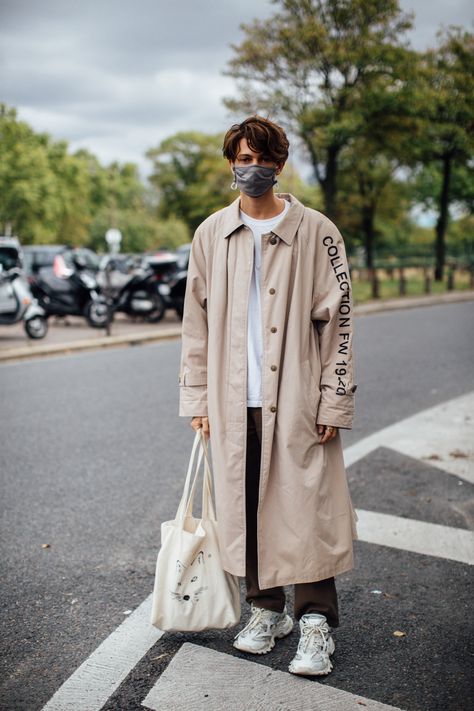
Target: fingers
{"type": "Point", "coordinates": [198, 422]}
{"type": "Point", "coordinates": [328, 433]}
{"type": "Point", "coordinates": [205, 427]}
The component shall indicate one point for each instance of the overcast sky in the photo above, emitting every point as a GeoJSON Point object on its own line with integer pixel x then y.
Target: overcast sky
{"type": "Point", "coordinates": [117, 77]}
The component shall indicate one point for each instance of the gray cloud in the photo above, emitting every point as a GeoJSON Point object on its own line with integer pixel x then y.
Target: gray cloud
{"type": "Point", "coordinates": [118, 77]}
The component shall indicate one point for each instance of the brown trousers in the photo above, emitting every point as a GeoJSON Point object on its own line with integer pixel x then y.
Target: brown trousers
{"type": "Point", "coordinates": [320, 596]}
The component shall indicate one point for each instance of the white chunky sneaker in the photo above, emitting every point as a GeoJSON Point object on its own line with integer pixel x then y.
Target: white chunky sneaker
{"type": "Point", "coordinates": [259, 634]}
{"type": "Point", "coordinates": [314, 648]}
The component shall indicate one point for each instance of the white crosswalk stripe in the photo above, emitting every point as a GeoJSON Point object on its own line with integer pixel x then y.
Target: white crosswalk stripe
{"type": "Point", "coordinates": [94, 682]}
{"type": "Point", "coordinates": [416, 536]}
{"type": "Point", "coordinates": [442, 435]}
{"type": "Point", "coordinates": [214, 683]}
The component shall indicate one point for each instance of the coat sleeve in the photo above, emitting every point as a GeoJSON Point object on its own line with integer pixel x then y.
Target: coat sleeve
{"type": "Point", "coordinates": [332, 315]}
{"type": "Point", "coordinates": [194, 336]}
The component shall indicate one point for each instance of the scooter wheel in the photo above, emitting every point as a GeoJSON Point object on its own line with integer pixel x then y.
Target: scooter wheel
{"type": "Point", "coordinates": [158, 311]}
{"type": "Point", "coordinates": [36, 327]}
{"type": "Point", "coordinates": [96, 314]}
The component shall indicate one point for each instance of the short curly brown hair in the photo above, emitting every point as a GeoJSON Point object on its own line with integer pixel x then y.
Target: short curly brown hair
{"type": "Point", "coordinates": [263, 136]}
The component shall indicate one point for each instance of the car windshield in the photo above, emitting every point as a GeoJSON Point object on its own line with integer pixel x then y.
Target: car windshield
{"type": "Point", "coordinates": [91, 259]}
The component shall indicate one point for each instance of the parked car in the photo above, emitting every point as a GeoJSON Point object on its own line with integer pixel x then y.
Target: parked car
{"type": "Point", "coordinates": [89, 259]}
{"type": "Point", "coordinates": [41, 256]}
{"type": "Point", "coordinates": [38, 256]}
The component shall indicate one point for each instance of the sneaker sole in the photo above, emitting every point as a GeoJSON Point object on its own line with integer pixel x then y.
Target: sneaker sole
{"type": "Point", "coordinates": [306, 671]}
{"type": "Point", "coordinates": [284, 633]}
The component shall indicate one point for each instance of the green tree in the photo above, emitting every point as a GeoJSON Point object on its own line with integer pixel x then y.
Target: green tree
{"type": "Point", "coordinates": [29, 202]}
{"type": "Point", "coordinates": [141, 231]}
{"type": "Point", "coordinates": [374, 201]}
{"type": "Point", "coordinates": [315, 63]}
{"type": "Point", "coordinates": [45, 192]}
{"type": "Point", "coordinates": [445, 153]}
{"type": "Point", "coordinates": [290, 181]}
{"type": "Point", "coordinates": [191, 177]}
{"type": "Point", "coordinates": [73, 198]}
{"type": "Point", "coordinates": [48, 194]}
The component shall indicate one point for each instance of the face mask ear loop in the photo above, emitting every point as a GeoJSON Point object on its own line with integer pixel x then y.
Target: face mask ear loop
{"type": "Point", "coordinates": [276, 184]}
{"type": "Point", "coordinates": [233, 185]}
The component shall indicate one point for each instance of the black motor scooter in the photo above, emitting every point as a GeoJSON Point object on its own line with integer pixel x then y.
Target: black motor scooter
{"type": "Point", "coordinates": [70, 290]}
{"type": "Point", "coordinates": [138, 296]}
{"type": "Point", "coordinates": [173, 290]}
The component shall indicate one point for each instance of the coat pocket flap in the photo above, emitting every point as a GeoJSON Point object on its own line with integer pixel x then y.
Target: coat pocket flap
{"type": "Point", "coordinates": [193, 378]}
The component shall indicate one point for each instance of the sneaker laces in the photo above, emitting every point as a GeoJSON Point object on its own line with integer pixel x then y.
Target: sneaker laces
{"type": "Point", "coordinates": [314, 636]}
{"type": "Point", "coordinates": [257, 618]}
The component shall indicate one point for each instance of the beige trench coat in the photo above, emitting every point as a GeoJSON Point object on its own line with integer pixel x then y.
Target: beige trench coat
{"type": "Point", "coordinates": [306, 522]}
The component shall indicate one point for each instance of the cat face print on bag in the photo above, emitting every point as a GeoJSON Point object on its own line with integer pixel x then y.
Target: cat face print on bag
{"type": "Point", "coordinates": [199, 559]}
{"type": "Point", "coordinates": [192, 597]}
{"type": "Point", "coordinates": [189, 590]}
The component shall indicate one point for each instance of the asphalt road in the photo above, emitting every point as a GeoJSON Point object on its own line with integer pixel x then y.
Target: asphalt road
{"type": "Point", "coordinates": [93, 458]}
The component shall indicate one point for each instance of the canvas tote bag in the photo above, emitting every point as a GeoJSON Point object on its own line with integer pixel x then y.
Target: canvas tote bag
{"type": "Point", "coordinates": [191, 591]}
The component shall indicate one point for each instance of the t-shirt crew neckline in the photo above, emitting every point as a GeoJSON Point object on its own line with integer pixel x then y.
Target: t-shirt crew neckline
{"type": "Point", "coordinates": [267, 219]}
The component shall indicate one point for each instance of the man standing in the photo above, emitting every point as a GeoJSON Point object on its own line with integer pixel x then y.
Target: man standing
{"type": "Point", "coordinates": [267, 371]}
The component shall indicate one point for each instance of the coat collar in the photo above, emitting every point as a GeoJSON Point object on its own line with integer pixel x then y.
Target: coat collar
{"type": "Point", "coordinates": [286, 229]}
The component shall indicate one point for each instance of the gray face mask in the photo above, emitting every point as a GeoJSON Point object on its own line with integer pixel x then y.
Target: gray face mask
{"type": "Point", "coordinates": [254, 180]}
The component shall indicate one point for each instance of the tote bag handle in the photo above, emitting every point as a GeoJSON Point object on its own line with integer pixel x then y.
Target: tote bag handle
{"type": "Point", "coordinates": [207, 503]}
{"type": "Point", "coordinates": [187, 501]}
{"type": "Point", "coordinates": [183, 504]}
{"type": "Point", "coordinates": [185, 507]}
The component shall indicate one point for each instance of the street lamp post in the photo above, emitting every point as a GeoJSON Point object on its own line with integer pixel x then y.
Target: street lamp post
{"type": "Point", "coordinates": [113, 237]}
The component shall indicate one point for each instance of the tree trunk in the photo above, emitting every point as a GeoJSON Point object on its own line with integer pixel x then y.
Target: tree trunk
{"type": "Point", "coordinates": [368, 215]}
{"type": "Point", "coordinates": [442, 222]}
{"type": "Point", "coordinates": [330, 184]}
{"type": "Point", "coordinates": [368, 218]}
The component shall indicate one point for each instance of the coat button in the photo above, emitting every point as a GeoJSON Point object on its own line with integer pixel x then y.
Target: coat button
{"type": "Point", "coordinates": [272, 290]}
{"type": "Point", "coordinates": [273, 329]}
{"type": "Point", "coordinates": [273, 367]}
{"type": "Point", "coordinates": [273, 408]}
{"type": "Point", "coordinates": [273, 240]}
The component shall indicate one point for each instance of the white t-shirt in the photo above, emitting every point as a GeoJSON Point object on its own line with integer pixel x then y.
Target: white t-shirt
{"type": "Point", "coordinates": [254, 329]}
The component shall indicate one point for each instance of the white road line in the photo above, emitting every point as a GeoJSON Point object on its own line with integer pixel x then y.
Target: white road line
{"type": "Point", "coordinates": [92, 684]}
{"type": "Point", "coordinates": [445, 431]}
{"type": "Point", "coordinates": [408, 534]}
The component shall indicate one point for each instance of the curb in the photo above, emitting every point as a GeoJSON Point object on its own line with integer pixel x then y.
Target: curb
{"type": "Point", "coordinates": [133, 339]}
{"type": "Point", "coordinates": [411, 302]}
